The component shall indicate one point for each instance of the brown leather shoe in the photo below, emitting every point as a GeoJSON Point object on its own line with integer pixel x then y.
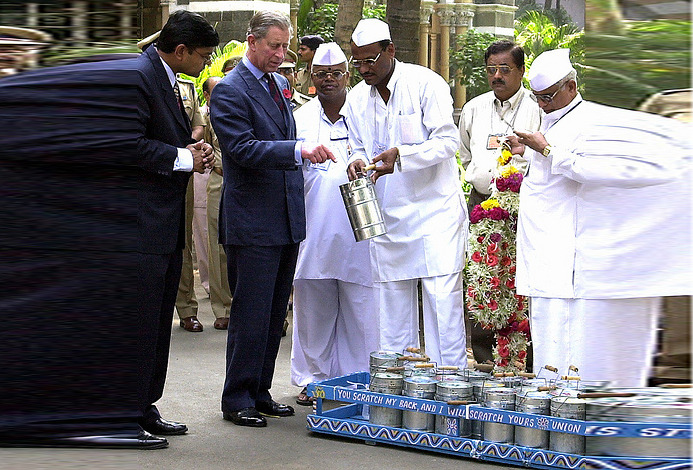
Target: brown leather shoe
{"type": "Point", "coordinates": [221, 323]}
{"type": "Point", "coordinates": [191, 324]}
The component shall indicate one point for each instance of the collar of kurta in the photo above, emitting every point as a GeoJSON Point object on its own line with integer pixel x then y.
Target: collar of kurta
{"type": "Point", "coordinates": [393, 80]}
{"type": "Point", "coordinates": [559, 113]}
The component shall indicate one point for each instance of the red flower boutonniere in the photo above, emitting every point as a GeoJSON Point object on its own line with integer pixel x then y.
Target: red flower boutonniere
{"type": "Point", "coordinates": [287, 93]}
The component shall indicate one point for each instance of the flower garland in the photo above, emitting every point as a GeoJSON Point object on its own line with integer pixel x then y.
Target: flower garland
{"type": "Point", "coordinates": [491, 297]}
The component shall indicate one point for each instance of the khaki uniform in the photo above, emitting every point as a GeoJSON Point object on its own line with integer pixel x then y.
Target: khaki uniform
{"type": "Point", "coordinates": [304, 82]}
{"type": "Point", "coordinates": [186, 301]}
{"type": "Point", "coordinates": [298, 99]}
{"type": "Point", "coordinates": [219, 291]}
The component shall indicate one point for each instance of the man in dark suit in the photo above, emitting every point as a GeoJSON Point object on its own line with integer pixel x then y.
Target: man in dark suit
{"type": "Point", "coordinates": [106, 145]}
{"type": "Point", "coordinates": [262, 213]}
{"type": "Point", "coordinates": [168, 155]}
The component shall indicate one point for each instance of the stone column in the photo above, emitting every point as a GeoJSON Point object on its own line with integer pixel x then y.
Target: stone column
{"type": "Point", "coordinates": [293, 14]}
{"type": "Point", "coordinates": [463, 21]}
{"type": "Point", "coordinates": [447, 19]}
{"type": "Point", "coordinates": [32, 11]}
{"type": "Point", "coordinates": [79, 22]}
{"type": "Point", "coordinates": [125, 20]}
{"type": "Point", "coordinates": [435, 34]}
{"type": "Point", "coordinates": [425, 31]}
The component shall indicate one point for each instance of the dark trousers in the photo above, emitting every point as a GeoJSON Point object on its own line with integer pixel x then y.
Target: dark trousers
{"type": "Point", "coordinates": [159, 276]}
{"type": "Point", "coordinates": [264, 275]}
{"type": "Point", "coordinates": [69, 360]}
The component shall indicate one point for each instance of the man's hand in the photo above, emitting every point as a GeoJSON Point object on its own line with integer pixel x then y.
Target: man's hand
{"type": "Point", "coordinates": [356, 169]}
{"type": "Point", "coordinates": [316, 153]}
{"type": "Point", "coordinates": [535, 141]}
{"type": "Point", "coordinates": [516, 148]}
{"type": "Point", "coordinates": [203, 156]}
{"type": "Point", "coordinates": [388, 159]}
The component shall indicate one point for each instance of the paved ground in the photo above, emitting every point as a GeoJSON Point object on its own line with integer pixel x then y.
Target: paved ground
{"type": "Point", "coordinates": [195, 379]}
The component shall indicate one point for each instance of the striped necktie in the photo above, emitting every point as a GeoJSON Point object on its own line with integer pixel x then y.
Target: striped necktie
{"type": "Point", "coordinates": [176, 92]}
{"type": "Point", "coordinates": [274, 91]}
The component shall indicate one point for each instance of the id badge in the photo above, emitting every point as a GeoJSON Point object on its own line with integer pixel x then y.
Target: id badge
{"type": "Point", "coordinates": [324, 166]}
{"type": "Point", "coordinates": [494, 141]}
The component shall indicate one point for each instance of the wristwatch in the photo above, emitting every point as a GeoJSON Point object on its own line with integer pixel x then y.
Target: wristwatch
{"type": "Point", "coordinates": [546, 151]}
{"type": "Point", "coordinates": [398, 161]}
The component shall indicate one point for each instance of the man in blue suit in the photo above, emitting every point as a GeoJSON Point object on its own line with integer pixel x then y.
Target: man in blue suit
{"type": "Point", "coordinates": [110, 153]}
{"type": "Point", "coordinates": [262, 213]}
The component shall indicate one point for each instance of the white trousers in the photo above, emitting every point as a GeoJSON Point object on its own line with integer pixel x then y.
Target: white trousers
{"type": "Point", "coordinates": [334, 329]}
{"type": "Point", "coordinates": [443, 317]}
{"type": "Point", "coordinates": [606, 339]}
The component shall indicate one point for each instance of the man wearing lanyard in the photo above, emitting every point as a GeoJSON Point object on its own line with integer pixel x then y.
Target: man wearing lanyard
{"type": "Point", "coordinates": [400, 119]}
{"type": "Point", "coordinates": [484, 120]}
{"type": "Point", "coordinates": [334, 306]}
{"type": "Point", "coordinates": [604, 228]}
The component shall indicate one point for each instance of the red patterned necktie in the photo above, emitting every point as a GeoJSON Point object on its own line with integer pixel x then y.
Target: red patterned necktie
{"type": "Point", "coordinates": [176, 91]}
{"type": "Point", "coordinates": [274, 91]}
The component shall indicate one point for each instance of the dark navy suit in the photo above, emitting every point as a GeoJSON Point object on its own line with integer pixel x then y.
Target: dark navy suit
{"type": "Point", "coordinates": [261, 222]}
{"type": "Point", "coordinates": [89, 200]}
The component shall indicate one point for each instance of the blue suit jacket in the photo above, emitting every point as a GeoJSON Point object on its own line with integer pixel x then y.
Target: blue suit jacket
{"type": "Point", "coordinates": [262, 198]}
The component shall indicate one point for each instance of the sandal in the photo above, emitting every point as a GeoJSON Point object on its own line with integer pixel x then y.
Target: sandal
{"type": "Point", "coordinates": [303, 398]}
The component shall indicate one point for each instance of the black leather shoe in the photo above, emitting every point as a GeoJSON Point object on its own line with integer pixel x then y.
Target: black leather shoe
{"type": "Point", "coordinates": [274, 409]}
{"type": "Point", "coordinates": [143, 440]}
{"type": "Point", "coordinates": [246, 417]}
{"type": "Point", "coordinates": [164, 427]}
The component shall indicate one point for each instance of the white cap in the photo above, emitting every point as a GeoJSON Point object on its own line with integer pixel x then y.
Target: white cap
{"type": "Point", "coordinates": [549, 68]}
{"type": "Point", "coordinates": [369, 31]}
{"type": "Point", "coordinates": [329, 53]}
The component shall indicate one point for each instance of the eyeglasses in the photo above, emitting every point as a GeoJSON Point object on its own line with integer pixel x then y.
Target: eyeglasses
{"type": "Point", "coordinates": [548, 98]}
{"type": "Point", "coordinates": [207, 57]}
{"type": "Point", "coordinates": [369, 62]}
{"type": "Point", "coordinates": [322, 75]}
{"type": "Point", "coordinates": [504, 69]}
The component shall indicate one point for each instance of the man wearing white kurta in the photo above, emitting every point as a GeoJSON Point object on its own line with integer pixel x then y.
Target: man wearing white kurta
{"type": "Point", "coordinates": [604, 228]}
{"type": "Point", "coordinates": [400, 118]}
{"type": "Point", "coordinates": [335, 320]}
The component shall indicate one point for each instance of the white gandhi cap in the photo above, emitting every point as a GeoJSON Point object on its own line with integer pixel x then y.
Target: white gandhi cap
{"type": "Point", "coordinates": [549, 68]}
{"type": "Point", "coordinates": [369, 31]}
{"type": "Point", "coordinates": [329, 53]}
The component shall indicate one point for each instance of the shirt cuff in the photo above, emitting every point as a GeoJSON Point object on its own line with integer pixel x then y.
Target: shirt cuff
{"type": "Point", "coordinates": [184, 161]}
{"type": "Point", "coordinates": [297, 153]}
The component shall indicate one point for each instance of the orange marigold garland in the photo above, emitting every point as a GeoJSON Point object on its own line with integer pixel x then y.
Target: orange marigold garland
{"type": "Point", "coordinates": [490, 271]}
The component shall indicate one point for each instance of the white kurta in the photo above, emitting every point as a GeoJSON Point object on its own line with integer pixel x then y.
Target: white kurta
{"type": "Point", "coordinates": [484, 115]}
{"type": "Point", "coordinates": [604, 229]}
{"type": "Point", "coordinates": [608, 214]}
{"type": "Point", "coordinates": [423, 206]}
{"type": "Point", "coordinates": [335, 318]}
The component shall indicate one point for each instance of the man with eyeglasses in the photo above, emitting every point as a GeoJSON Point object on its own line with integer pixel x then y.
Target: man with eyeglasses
{"type": "Point", "coordinates": [484, 121]}
{"type": "Point", "coordinates": [400, 119]}
{"type": "Point", "coordinates": [604, 228]}
{"type": "Point", "coordinates": [334, 311]}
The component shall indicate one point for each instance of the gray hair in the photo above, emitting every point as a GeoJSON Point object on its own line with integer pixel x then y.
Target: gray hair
{"type": "Point", "coordinates": [262, 21]}
{"type": "Point", "coordinates": [572, 75]}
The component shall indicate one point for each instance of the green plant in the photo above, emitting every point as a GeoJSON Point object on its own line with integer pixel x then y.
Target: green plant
{"type": "Point", "coordinates": [623, 70]}
{"type": "Point", "coordinates": [321, 21]}
{"type": "Point", "coordinates": [468, 59]}
{"type": "Point", "coordinates": [537, 33]}
{"type": "Point", "coordinates": [219, 57]}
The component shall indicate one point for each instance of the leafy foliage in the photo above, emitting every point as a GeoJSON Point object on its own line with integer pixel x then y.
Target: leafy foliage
{"type": "Point", "coordinates": [219, 57]}
{"type": "Point", "coordinates": [558, 16]}
{"type": "Point", "coordinates": [623, 70]}
{"type": "Point", "coordinates": [321, 20]}
{"type": "Point", "coordinates": [469, 60]}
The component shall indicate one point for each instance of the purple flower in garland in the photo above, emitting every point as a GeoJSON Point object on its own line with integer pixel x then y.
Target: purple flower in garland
{"type": "Point", "coordinates": [495, 237]}
{"type": "Point", "coordinates": [512, 183]}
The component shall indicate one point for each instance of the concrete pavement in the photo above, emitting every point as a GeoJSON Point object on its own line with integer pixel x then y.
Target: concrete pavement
{"type": "Point", "coordinates": [192, 395]}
